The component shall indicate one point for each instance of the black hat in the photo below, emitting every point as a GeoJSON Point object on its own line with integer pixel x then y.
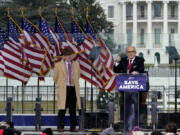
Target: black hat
{"type": "Point", "coordinates": [67, 51]}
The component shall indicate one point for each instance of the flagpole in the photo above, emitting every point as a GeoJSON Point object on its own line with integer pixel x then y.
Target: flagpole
{"type": "Point", "coordinates": [54, 92]}
{"type": "Point", "coordinates": [22, 14]}
{"type": "Point", "coordinates": [38, 79]}
{"type": "Point", "coordinates": [22, 9]}
{"type": "Point", "coordinates": [40, 11]}
{"type": "Point", "coordinates": [87, 12]}
{"type": "Point", "coordinates": [91, 60]}
{"type": "Point", "coordinates": [56, 11]}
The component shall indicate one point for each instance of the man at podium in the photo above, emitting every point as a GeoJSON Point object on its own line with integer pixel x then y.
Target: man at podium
{"type": "Point", "coordinates": [131, 64]}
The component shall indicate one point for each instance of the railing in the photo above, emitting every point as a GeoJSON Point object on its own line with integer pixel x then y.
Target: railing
{"type": "Point", "coordinates": [129, 17]}
{"type": "Point", "coordinates": [162, 71]}
{"type": "Point", "coordinates": [171, 98]}
{"type": "Point", "coordinates": [157, 92]}
{"type": "Point", "coordinates": [172, 17]}
{"type": "Point", "coordinates": [164, 96]}
{"type": "Point", "coordinates": [157, 17]}
{"type": "Point", "coordinates": [24, 98]}
{"type": "Point", "coordinates": [141, 17]}
{"type": "Point", "coordinates": [156, 40]}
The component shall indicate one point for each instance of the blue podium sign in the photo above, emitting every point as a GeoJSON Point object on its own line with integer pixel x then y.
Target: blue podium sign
{"type": "Point", "coordinates": [129, 82]}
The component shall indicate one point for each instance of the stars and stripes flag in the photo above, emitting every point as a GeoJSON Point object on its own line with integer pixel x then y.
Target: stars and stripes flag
{"type": "Point", "coordinates": [12, 55]}
{"type": "Point", "coordinates": [34, 56]}
{"type": "Point", "coordinates": [63, 34]}
{"type": "Point", "coordinates": [52, 37]}
{"type": "Point", "coordinates": [3, 39]}
{"type": "Point", "coordinates": [81, 38]}
{"type": "Point", "coordinates": [34, 38]}
{"type": "Point", "coordinates": [105, 61]}
{"type": "Point", "coordinates": [66, 38]}
{"type": "Point", "coordinates": [85, 65]}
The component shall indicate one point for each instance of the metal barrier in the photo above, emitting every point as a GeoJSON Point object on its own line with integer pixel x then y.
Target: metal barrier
{"type": "Point", "coordinates": [111, 113]}
{"type": "Point", "coordinates": [48, 100]}
{"type": "Point", "coordinates": [38, 110]}
{"type": "Point", "coordinates": [81, 115]}
{"type": "Point", "coordinates": [154, 113]}
{"type": "Point", "coordinates": [9, 109]}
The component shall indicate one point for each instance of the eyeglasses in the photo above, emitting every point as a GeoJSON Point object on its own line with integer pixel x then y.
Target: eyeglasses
{"type": "Point", "coordinates": [131, 51]}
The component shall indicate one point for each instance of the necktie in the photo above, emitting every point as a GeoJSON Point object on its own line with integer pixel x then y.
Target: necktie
{"type": "Point", "coordinates": [130, 65]}
{"type": "Point", "coordinates": [69, 72]}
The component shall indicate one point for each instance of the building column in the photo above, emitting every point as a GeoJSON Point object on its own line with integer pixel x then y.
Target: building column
{"type": "Point", "coordinates": [124, 22]}
{"type": "Point", "coordinates": [149, 25]}
{"type": "Point", "coordinates": [165, 12]}
{"type": "Point", "coordinates": [165, 25]}
{"type": "Point", "coordinates": [179, 17]}
{"type": "Point", "coordinates": [134, 24]}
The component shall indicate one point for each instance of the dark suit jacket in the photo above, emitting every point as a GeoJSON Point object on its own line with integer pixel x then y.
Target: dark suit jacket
{"type": "Point", "coordinates": [138, 65]}
{"type": "Point", "coordinates": [122, 67]}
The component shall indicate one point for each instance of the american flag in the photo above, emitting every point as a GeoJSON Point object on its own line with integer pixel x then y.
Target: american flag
{"type": "Point", "coordinates": [45, 29]}
{"type": "Point", "coordinates": [52, 37]}
{"type": "Point", "coordinates": [77, 34]}
{"type": "Point", "coordinates": [13, 30]}
{"type": "Point", "coordinates": [86, 69]}
{"type": "Point", "coordinates": [108, 59]}
{"type": "Point", "coordinates": [12, 55]}
{"type": "Point", "coordinates": [34, 56]}
{"type": "Point", "coordinates": [104, 62]}
{"type": "Point", "coordinates": [63, 33]}
{"type": "Point", "coordinates": [81, 38]}
{"type": "Point", "coordinates": [34, 37]}
{"type": "Point", "coordinates": [3, 39]}
{"type": "Point", "coordinates": [60, 29]}
{"type": "Point", "coordinates": [66, 37]}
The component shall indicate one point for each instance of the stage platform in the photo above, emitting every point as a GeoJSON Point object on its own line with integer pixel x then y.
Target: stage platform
{"type": "Point", "coordinates": [83, 133]}
{"type": "Point", "coordinates": [26, 124]}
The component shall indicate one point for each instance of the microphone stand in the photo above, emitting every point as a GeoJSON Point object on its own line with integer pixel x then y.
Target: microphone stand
{"type": "Point", "coordinates": [175, 90]}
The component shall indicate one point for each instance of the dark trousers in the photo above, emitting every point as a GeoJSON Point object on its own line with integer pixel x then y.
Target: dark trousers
{"type": "Point", "coordinates": [142, 97]}
{"type": "Point", "coordinates": [142, 102]}
{"type": "Point", "coordinates": [71, 104]}
{"type": "Point", "coordinates": [131, 105]}
{"type": "Point", "coordinates": [132, 113]}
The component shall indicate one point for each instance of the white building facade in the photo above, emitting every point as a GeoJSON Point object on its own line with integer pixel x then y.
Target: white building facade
{"type": "Point", "coordinates": [149, 25]}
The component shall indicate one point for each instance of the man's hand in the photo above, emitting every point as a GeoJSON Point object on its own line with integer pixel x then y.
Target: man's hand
{"type": "Point", "coordinates": [118, 58]}
{"type": "Point", "coordinates": [135, 73]}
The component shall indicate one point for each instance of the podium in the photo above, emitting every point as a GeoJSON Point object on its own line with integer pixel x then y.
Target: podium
{"type": "Point", "coordinates": [131, 85]}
